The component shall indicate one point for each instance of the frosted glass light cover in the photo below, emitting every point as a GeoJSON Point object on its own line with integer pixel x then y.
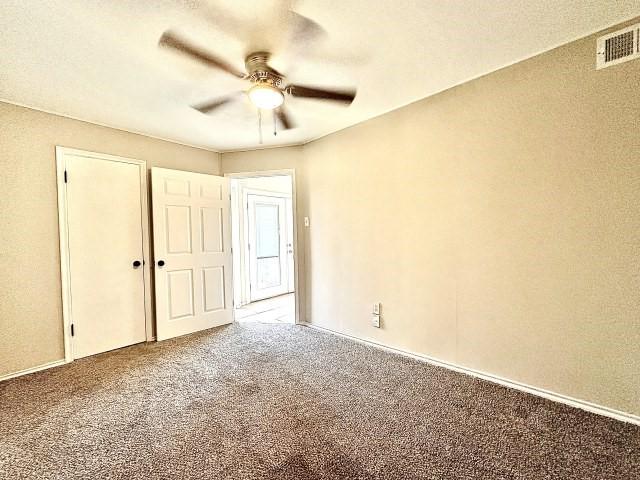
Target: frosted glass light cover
{"type": "Point", "coordinates": [266, 97]}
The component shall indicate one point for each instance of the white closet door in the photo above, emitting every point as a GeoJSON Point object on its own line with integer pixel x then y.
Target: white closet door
{"type": "Point", "coordinates": [105, 238]}
{"type": "Point", "coordinates": [192, 251]}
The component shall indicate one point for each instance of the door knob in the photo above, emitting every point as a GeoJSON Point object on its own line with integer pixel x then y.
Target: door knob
{"type": "Point", "coordinates": [136, 264]}
{"type": "Point", "coordinates": [161, 263]}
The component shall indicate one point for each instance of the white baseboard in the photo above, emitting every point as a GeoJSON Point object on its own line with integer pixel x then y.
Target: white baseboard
{"type": "Point", "coordinates": [27, 371]}
{"type": "Point", "coordinates": [556, 397]}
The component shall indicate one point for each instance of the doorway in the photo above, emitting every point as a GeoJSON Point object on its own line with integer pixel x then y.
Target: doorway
{"type": "Point", "coordinates": [264, 247]}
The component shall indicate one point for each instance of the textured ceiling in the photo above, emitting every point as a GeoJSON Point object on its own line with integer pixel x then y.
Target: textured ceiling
{"type": "Point", "coordinates": [98, 60]}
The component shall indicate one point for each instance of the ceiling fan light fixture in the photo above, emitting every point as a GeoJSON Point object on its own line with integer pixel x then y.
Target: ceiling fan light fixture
{"type": "Point", "coordinates": [265, 97]}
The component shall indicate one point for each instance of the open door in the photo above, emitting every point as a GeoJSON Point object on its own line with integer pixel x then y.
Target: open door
{"type": "Point", "coordinates": [267, 247]}
{"type": "Point", "coordinates": [192, 251]}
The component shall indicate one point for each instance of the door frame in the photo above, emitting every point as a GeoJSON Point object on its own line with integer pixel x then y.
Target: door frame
{"type": "Point", "coordinates": [65, 271]}
{"type": "Point", "coordinates": [279, 173]}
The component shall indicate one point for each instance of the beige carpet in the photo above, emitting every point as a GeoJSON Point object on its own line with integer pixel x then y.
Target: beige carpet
{"type": "Point", "coordinates": [257, 401]}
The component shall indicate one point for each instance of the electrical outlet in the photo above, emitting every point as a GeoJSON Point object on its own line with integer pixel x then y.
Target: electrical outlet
{"type": "Point", "coordinates": [375, 320]}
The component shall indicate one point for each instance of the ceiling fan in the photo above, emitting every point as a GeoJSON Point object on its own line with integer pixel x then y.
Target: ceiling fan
{"type": "Point", "coordinates": [267, 90]}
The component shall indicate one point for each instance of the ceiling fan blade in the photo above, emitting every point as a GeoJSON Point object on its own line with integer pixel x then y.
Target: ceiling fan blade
{"type": "Point", "coordinates": [344, 96]}
{"type": "Point", "coordinates": [171, 40]}
{"type": "Point", "coordinates": [284, 118]}
{"type": "Point", "coordinates": [299, 37]}
{"type": "Point", "coordinates": [303, 29]}
{"type": "Point", "coordinates": [211, 105]}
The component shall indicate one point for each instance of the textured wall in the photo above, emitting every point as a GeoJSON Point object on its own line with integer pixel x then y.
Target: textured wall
{"type": "Point", "coordinates": [30, 290]}
{"type": "Point", "coordinates": [497, 222]}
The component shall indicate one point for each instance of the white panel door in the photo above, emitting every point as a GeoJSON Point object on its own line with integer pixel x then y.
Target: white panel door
{"type": "Point", "coordinates": [267, 247]}
{"type": "Point", "coordinates": [105, 253]}
{"type": "Point", "coordinates": [192, 251]}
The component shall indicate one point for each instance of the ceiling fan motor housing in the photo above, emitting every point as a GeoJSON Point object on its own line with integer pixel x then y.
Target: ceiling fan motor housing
{"type": "Point", "coordinates": [258, 71]}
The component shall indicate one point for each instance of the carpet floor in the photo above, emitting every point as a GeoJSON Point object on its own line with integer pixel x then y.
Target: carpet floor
{"type": "Point", "coordinates": [256, 401]}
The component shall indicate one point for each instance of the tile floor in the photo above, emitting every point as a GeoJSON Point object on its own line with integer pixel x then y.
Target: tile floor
{"type": "Point", "coordinates": [279, 309]}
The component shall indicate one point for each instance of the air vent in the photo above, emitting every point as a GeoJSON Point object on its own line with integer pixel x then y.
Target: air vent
{"type": "Point", "coordinates": [618, 47]}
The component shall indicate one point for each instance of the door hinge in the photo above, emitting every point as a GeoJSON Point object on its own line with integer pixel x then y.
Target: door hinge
{"type": "Point", "coordinates": [65, 177]}
{"type": "Point", "coordinates": [72, 330]}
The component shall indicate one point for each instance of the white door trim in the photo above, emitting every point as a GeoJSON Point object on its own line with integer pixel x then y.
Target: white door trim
{"type": "Point", "coordinates": [276, 173]}
{"type": "Point", "coordinates": [61, 153]}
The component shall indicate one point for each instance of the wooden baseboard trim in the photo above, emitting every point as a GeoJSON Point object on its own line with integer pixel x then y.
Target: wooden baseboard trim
{"type": "Point", "coordinates": [27, 371]}
{"type": "Point", "coordinates": [556, 397]}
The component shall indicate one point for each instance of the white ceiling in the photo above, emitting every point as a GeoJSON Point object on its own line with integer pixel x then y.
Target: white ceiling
{"type": "Point", "coordinates": [98, 60]}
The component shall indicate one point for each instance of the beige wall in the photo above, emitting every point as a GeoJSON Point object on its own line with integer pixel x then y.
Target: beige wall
{"type": "Point", "coordinates": [30, 291]}
{"type": "Point", "coordinates": [497, 222]}
{"type": "Point", "coordinates": [260, 160]}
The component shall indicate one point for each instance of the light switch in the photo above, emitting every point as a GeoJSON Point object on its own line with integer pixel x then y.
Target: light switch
{"type": "Point", "coordinates": [375, 315]}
